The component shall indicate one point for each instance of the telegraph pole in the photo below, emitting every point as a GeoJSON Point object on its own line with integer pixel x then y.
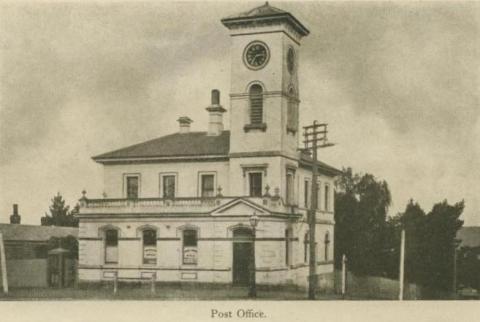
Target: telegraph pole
{"type": "Point", "coordinates": [315, 137]}
{"type": "Point", "coordinates": [402, 266]}
{"type": "Point", "coordinates": [3, 265]}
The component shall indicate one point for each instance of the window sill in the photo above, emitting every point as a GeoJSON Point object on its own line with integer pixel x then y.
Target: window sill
{"type": "Point", "coordinates": [259, 126]}
{"type": "Point", "coordinates": [187, 266]}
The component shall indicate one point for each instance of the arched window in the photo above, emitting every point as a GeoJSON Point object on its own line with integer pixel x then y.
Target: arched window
{"type": "Point", "coordinates": [327, 242]}
{"type": "Point", "coordinates": [288, 246]}
{"type": "Point", "coordinates": [111, 246]}
{"type": "Point", "coordinates": [292, 112]}
{"type": "Point", "coordinates": [242, 234]}
{"type": "Point", "coordinates": [149, 241]}
{"type": "Point", "coordinates": [256, 104]}
{"type": "Point", "coordinates": [190, 252]}
{"type": "Point", "coordinates": [327, 198]}
{"type": "Point", "coordinates": [305, 247]}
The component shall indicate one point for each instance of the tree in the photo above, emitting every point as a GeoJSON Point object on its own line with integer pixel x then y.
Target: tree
{"type": "Point", "coordinates": [413, 220]}
{"type": "Point", "coordinates": [429, 245]}
{"type": "Point", "coordinates": [361, 205]}
{"type": "Point", "coordinates": [442, 224]}
{"type": "Point", "coordinates": [60, 214]}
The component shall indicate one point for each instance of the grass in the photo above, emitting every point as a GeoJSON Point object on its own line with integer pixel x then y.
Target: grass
{"type": "Point", "coordinates": [161, 293]}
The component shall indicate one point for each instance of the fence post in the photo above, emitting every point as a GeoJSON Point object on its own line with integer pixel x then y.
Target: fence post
{"type": "Point", "coordinates": [115, 283]}
{"type": "Point", "coordinates": [152, 288]}
{"type": "Point", "coordinates": [344, 275]}
{"type": "Point", "coordinates": [3, 267]}
{"type": "Point", "coordinates": [402, 265]}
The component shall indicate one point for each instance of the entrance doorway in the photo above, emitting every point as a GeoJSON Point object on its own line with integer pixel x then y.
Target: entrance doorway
{"type": "Point", "coordinates": [242, 252]}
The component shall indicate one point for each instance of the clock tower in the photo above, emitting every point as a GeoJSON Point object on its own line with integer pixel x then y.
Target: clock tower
{"type": "Point", "coordinates": [264, 81]}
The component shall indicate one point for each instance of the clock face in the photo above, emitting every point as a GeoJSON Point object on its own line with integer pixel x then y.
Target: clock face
{"type": "Point", "coordinates": [290, 60]}
{"type": "Point", "coordinates": [256, 55]}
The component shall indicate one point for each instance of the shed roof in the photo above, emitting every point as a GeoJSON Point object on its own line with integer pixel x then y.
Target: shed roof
{"type": "Point", "coordinates": [16, 232]}
{"type": "Point", "coordinates": [470, 236]}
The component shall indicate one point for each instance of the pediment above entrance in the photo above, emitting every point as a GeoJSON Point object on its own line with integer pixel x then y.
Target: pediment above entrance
{"type": "Point", "coordinates": [239, 207]}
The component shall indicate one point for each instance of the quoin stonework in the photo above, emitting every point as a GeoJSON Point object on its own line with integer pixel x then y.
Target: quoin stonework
{"type": "Point", "coordinates": [177, 208]}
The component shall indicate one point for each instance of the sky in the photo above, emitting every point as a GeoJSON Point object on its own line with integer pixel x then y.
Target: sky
{"type": "Point", "coordinates": [398, 83]}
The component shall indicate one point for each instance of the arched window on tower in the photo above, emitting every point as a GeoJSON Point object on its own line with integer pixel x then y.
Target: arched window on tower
{"type": "Point", "coordinates": [292, 112]}
{"type": "Point", "coordinates": [256, 104]}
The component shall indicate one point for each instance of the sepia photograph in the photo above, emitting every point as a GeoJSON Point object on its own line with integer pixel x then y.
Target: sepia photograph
{"type": "Point", "coordinates": [235, 151]}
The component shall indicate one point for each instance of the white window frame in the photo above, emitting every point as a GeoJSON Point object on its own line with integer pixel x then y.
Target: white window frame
{"type": "Point", "coordinates": [166, 174]}
{"type": "Point", "coordinates": [290, 172]}
{"type": "Point", "coordinates": [289, 247]}
{"type": "Point", "coordinates": [104, 239]}
{"type": "Point", "coordinates": [199, 181]}
{"type": "Point", "coordinates": [307, 203]}
{"type": "Point", "coordinates": [247, 175]}
{"type": "Point", "coordinates": [180, 233]}
{"type": "Point", "coordinates": [327, 196]}
{"type": "Point", "coordinates": [319, 195]}
{"type": "Point", "coordinates": [125, 187]}
{"type": "Point", "coordinates": [143, 246]}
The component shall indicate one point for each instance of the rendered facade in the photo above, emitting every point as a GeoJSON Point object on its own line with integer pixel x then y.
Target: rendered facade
{"type": "Point", "coordinates": [178, 207]}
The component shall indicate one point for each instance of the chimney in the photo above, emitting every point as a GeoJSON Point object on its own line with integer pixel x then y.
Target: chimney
{"type": "Point", "coordinates": [215, 111]}
{"type": "Point", "coordinates": [15, 217]}
{"type": "Point", "coordinates": [184, 122]}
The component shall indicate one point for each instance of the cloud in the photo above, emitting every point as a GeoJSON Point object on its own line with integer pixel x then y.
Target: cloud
{"type": "Point", "coordinates": [398, 83]}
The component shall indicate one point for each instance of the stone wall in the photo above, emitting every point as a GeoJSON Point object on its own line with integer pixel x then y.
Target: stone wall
{"type": "Point", "coordinates": [215, 250]}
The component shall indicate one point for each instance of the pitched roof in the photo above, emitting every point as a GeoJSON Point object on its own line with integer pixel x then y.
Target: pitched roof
{"type": "Point", "coordinates": [266, 13]}
{"type": "Point", "coordinates": [470, 236]}
{"type": "Point", "coordinates": [35, 233]}
{"type": "Point", "coordinates": [264, 10]}
{"type": "Point", "coordinates": [175, 145]}
{"type": "Point", "coordinates": [308, 160]}
{"type": "Point", "coordinates": [193, 144]}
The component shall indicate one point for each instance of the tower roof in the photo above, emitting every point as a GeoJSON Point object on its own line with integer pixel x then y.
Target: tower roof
{"type": "Point", "coordinates": [264, 10]}
{"type": "Point", "coordinates": [265, 13]}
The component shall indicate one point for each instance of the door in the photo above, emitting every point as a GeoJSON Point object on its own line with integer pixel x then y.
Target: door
{"type": "Point", "coordinates": [242, 252]}
{"type": "Point", "coordinates": [241, 263]}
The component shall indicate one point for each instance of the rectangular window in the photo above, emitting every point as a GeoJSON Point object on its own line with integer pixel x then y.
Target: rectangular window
{"type": "Point", "coordinates": [306, 194]}
{"type": "Point", "coordinates": [149, 247]}
{"type": "Point", "coordinates": [111, 246]}
{"type": "Point", "coordinates": [288, 246]}
{"type": "Point", "coordinates": [327, 197]}
{"type": "Point", "coordinates": [290, 188]}
{"type": "Point", "coordinates": [319, 195]}
{"type": "Point", "coordinates": [292, 115]}
{"type": "Point", "coordinates": [327, 243]}
{"type": "Point", "coordinates": [255, 182]}
{"type": "Point", "coordinates": [305, 247]}
{"type": "Point", "coordinates": [132, 187]}
{"type": "Point", "coordinates": [208, 182]}
{"type": "Point", "coordinates": [168, 186]}
{"type": "Point", "coordinates": [190, 247]}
